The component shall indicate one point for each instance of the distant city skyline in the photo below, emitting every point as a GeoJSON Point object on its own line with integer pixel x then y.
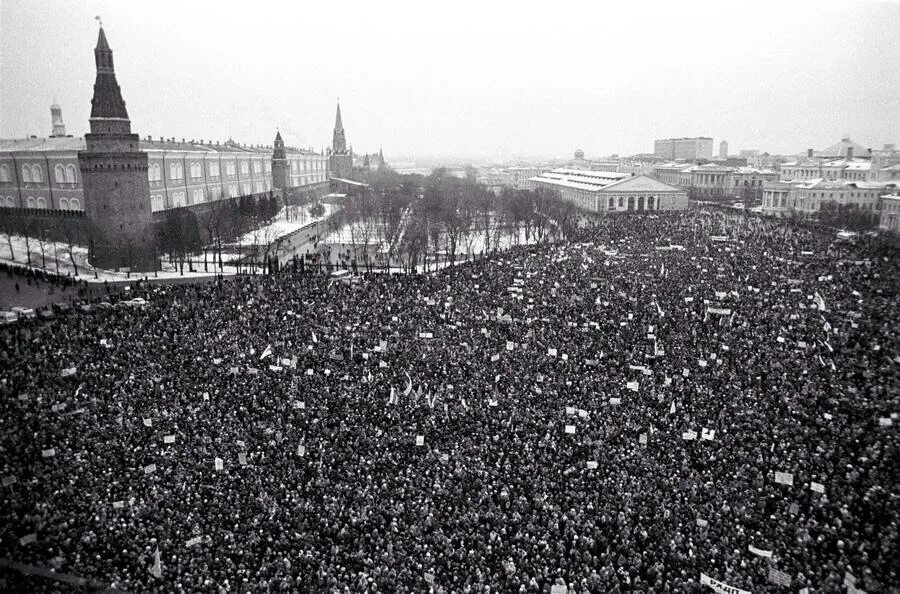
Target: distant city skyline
{"type": "Point", "coordinates": [454, 86]}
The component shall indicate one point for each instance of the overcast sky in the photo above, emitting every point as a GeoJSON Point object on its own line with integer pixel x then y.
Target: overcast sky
{"type": "Point", "coordinates": [466, 79]}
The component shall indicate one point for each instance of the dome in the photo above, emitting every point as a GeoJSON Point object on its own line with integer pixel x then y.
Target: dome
{"type": "Point", "coordinates": [579, 154]}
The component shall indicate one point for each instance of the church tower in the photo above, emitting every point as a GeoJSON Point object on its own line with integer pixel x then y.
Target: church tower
{"type": "Point", "coordinates": [340, 161]}
{"type": "Point", "coordinates": [280, 171]}
{"type": "Point", "coordinates": [59, 128]}
{"type": "Point", "coordinates": [114, 177]}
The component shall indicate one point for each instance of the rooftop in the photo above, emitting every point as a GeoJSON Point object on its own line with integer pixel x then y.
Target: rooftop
{"type": "Point", "coordinates": [580, 179]}
{"type": "Point", "coordinates": [77, 143]}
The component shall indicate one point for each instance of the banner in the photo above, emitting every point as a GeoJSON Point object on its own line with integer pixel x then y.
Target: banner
{"type": "Point", "coordinates": [784, 478]}
{"type": "Point", "coordinates": [720, 587]}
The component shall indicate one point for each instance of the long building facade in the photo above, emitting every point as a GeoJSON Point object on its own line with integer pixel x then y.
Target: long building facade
{"type": "Point", "coordinates": [43, 173]}
{"type": "Point", "coordinates": [822, 180]}
{"type": "Point", "coordinates": [712, 181]}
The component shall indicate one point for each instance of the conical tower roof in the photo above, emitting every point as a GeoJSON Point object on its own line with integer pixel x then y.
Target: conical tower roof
{"type": "Point", "coordinates": [107, 101]}
{"type": "Point", "coordinates": [338, 123]}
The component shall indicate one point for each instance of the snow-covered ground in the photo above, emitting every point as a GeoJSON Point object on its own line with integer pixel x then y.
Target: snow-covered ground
{"type": "Point", "coordinates": [289, 219]}
{"type": "Point", "coordinates": [56, 258]}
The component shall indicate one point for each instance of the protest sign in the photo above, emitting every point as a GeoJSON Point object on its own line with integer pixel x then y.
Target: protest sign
{"type": "Point", "coordinates": [720, 587]}
{"type": "Point", "coordinates": [784, 478]}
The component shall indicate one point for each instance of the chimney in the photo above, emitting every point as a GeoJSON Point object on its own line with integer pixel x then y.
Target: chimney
{"type": "Point", "coordinates": [809, 153]}
{"type": "Point", "coordinates": [849, 153]}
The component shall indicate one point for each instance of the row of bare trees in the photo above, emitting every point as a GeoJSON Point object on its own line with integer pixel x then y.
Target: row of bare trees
{"type": "Point", "coordinates": [46, 238]}
{"type": "Point", "coordinates": [184, 232]}
{"type": "Point", "coordinates": [413, 221]}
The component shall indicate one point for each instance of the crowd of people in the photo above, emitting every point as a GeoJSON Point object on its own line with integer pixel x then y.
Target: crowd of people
{"type": "Point", "coordinates": [657, 399]}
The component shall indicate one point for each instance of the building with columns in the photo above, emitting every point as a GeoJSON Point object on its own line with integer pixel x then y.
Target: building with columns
{"type": "Point", "coordinates": [805, 198]}
{"type": "Point", "coordinates": [716, 182]}
{"type": "Point", "coordinates": [611, 192]}
{"type": "Point", "coordinates": [836, 176]}
{"type": "Point", "coordinates": [890, 213]}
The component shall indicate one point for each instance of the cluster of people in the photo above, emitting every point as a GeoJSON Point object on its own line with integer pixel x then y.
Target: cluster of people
{"type": "Point", "coordinates": [658, 403]}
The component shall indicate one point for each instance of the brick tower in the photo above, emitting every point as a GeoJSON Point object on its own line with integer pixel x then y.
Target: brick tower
{"type": "Point", "coordinates": [340, 162]}
{"type": "Point", "coordinates": [280, 172]}
{"type": "Point", "coordinates": [114, 177]}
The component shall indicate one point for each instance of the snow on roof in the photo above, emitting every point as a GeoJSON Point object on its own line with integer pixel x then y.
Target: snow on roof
{"type": "Point", "coordinates": [58, 143]}
{"type": "Point", "coordinates": [580, 179]}
{"type": "Point", "coordinates": [77, 143]}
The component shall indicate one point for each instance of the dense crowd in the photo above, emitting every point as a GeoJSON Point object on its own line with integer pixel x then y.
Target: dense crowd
{"type": "Point", "coordinates": [606, 414]}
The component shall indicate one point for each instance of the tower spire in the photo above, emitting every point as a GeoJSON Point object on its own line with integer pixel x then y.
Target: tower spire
{"type": "Point", "coordinates": [338, 123]}
{"type": "Point", "coordinates": [339, 139]}
{"type": "Point", "coordinates": [108, 113]}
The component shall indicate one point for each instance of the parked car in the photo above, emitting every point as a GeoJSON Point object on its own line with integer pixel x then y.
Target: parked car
{"type": "Point", "coordinates": [24, 312]}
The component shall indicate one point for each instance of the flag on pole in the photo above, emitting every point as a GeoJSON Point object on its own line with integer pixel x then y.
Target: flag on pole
{"type": "Point", "coordinates": [156, 570]}
{"type": "Point", "coordinates": [409, 388]}
{"type": "Point", "coordinates": [672, 408]}
{"type": "Point", "coordinates": [266, 353]}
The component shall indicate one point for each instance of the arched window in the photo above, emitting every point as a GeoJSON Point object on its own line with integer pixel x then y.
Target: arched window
{"type": "Point", "coordinates": [41, 202]}
{"type": "Point", "coordinates": [244, 168]}
{"type": "Point", "coordinates": [26, 174]}
{"type": "Point", "coordinates": [156, 203]}
{"type": "Point", "coordinates": [64, 204]}
{"type": "Point", "coordinates": [29, 202]}
{"type": "Point", "coordinates": [37, 174]}
{"type": "Point", "coordinates": [246, 188]}
{"type": "Point", "coordinates": [10, 202]}
{"type": "Point", "coordinates": [4, 173]}
{"type": "Point", "coordinates": [229, 168]}
{"type": "Point", "coordinates": [232, 189]}
{"type": "Point", "coordinates": [650, 204]}
{"type": "Point", "coordinates": [196, 170]}
{"type": "Point", "coordinates": [257, 166]}
{"type": "Point", "coordinates": [59, 172]}
{"type": "Point", "coordinates": [71, 177]}
{"type": "Point", "coordinates": [640, 205]}
{"type": "Point", "coordinates": [631, 203]}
